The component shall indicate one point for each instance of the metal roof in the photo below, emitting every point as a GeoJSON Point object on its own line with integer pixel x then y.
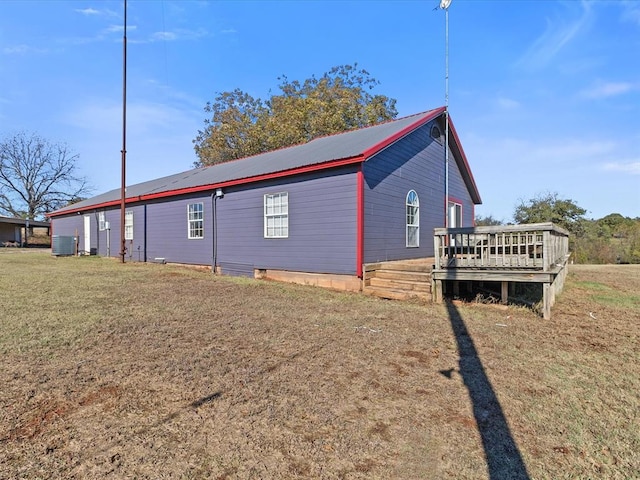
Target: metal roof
{"type": "Point", "coordinates": [23, 222]}
{"type": "Point", "coordinates": [355, 144]}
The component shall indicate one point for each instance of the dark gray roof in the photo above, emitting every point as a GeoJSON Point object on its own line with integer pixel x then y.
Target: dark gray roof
{"type": "Point", "coordinates": [341, 146]}
{"type": "Point", "coordinates": [23, 222]}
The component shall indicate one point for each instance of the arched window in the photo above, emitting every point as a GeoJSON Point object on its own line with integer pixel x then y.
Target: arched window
{"type": "Point", "coordinates": [436, 134]}
{"type": "Point", "coordinates": [413, 219]}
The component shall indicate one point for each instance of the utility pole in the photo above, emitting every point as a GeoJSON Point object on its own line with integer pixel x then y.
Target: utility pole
{"type": "Point", "coordinates": [123, 185]}
{"type": "Point", "coordinates": [444, 5]}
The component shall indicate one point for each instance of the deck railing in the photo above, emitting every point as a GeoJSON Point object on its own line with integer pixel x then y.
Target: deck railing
{"type": "Point", "coordinates": [537, 246]}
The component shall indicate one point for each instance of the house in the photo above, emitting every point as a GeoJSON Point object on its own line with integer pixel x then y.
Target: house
{"type": "Point", "coordinates": [15, 231]}
{"type": "Point", "coordinates": [325, 207]}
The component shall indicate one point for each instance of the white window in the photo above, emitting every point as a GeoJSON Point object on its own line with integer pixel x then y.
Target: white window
{"type": "Point", "coordinates": [455, 215]}
{"type": "Point", "coordinates": [413, 219]}
{"type": "Point", "coordinates": [101, 221]}
{"type": "Point", "coordinates": [128, 225]}
{"type": "Point", "coordinates": [276, 215]}
{"type": "Point", "coordinates": [195, 220]}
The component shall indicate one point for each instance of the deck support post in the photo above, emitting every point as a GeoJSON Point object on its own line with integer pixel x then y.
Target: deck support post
{"type": "Point", "coordinates": [437, 291]}
{"type": "Point", "coordinates": [546, 301]}
{"type": "Point", "coordinates": [504, 297]}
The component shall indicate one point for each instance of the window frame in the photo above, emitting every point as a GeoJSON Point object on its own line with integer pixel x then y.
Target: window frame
{"type": "Point", "coordinates": [102, 221]}
{"type": "Point", "coordinates": [192, 221]}
{"type": "Point", "coordinates": [128, 225]}
{"type": "Point", "coordinates": [412, 219]}
{"type": "Point", "coordinates": [458, 213]}
{"type": "Point", "coordinates": [276, 215]}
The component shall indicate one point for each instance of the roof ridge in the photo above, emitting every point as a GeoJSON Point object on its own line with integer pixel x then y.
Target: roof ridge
{"type": "Point", "coordinates": [339, 149]}
{"type": "Point", "coordinates": [392, 120]}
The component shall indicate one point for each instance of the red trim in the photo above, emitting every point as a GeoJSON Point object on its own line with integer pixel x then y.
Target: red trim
{"type": "Point", "coordinates": [212, 186]}
{"type": "Point", "coordinates": [388, 141]}
{"type": "Point", "coordinates": [475, 194]}
{"type": "Point", "coordinates": [359, 221]}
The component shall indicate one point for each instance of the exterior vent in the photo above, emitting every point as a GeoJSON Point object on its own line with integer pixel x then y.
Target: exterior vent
{"type": "Point", "coordinates": [61, 245]}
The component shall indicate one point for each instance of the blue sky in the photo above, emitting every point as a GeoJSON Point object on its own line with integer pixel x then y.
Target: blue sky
{"type": "Point", "coordinates": [545, 95]}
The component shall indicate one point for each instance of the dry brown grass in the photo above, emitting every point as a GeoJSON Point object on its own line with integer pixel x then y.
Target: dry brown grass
{"type": "Point", "coordinates": [151, 371]}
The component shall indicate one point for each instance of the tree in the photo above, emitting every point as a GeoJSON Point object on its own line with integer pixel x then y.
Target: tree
{"type": "Point", "coordinates": [241, 125]}
{"type": "Point", "coordinates": [549, 207]}
{"type": "Point", "coordinates": [487, 221]}
{"type": "Point", "coordinates": [611, 239]}
{"type": "Point", "coordinates": [36, 176]}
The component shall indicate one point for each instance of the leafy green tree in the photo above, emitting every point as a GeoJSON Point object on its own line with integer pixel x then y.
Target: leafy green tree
{"type": "Point", "coordinates": [233, 130]}
{"type": "Point", "coordinates": [37, 176]}
{"type": "Point", "coordinates": [549, 207]}
{"type": "Point", "coordinates": [614, 221]}
{"type": "Point", "coordinates": [611, 239]}
{"type": "Point", "coordinates": [241, 125]}
{"type": "Point", "coordinates": [487, 221]}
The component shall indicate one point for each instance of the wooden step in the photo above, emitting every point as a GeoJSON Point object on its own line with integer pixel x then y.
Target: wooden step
{"type": "Point", "coordinates": [401, 275]}
{"type": "Point", "coordinates": [403, 266]}
{"type": "Point", "coordinates": [395, 294]}
{"type": "Point", "coordinates": [421, 286]}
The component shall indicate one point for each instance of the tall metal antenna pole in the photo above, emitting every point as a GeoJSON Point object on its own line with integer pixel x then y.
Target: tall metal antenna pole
{"type": "Point", "coordinates": [123, 193]}
{"type": "Point", "coordinates": [444, 4]}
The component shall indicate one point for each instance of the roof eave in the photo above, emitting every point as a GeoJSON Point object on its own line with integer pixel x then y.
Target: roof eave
{"type": "Point", "coordinates": [465, 169]}
{"type": "Point", "coordinates": [378, 147]}
{"type": "Point", "coordinates": [212, 186]}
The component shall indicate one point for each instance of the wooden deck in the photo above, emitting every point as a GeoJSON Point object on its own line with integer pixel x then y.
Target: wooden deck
{"type": "Point", "coordinates": [533, 253]}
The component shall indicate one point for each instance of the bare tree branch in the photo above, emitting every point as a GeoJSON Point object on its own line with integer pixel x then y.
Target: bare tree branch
{"type": "Point", "coordinates": [37, 176]}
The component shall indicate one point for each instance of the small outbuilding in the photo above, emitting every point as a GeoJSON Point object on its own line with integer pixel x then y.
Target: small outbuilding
{"type": "Point", "coordinates": [14, 232]}
{"type": "Point", "coordinates": [325, 207]}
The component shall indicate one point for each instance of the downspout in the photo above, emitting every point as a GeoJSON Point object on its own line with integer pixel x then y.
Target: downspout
{"type": "Point", "coordinates": [213, 234]}
{"type": "Point", "coordinates": [144, 240]}
{"type": "Point", "coordinates": [359, 220]}
{"type": "Point", "coordinates": [95, 214]}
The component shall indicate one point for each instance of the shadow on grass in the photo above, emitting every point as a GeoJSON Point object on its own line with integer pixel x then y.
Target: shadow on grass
{"type": "Point", "coordinates": [504, 460]}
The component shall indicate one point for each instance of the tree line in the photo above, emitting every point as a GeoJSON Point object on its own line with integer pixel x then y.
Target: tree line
{"type": "Point", "coordinates": [610, 239]}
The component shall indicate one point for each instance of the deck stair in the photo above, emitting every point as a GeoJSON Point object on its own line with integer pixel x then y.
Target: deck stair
{"type": "Point", "coordinates": [399, 280]}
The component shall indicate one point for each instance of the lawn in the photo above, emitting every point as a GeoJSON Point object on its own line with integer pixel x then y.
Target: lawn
{"type": "Point", "coordinates": [159, 371]}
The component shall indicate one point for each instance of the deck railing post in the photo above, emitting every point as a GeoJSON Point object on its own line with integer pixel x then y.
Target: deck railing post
{"type": "Point", "coordinates": [546, 237]}
{"type": "Point", "coordinates": [436, 250]}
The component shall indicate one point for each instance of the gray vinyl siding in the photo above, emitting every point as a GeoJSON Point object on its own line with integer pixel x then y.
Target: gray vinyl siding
{"type": "Point", "coordinates": [414, 163]}
{"type": "Point", "coordinates": [167, 231]}
{"type": "Point", "coordinates": [70, 226]}
{"type": "Point", "coordinates": [73, 225]}
{"type": "Point", "coordinates": [322, 225]}
{"type": "Point", "coordinates": [458, 193]}
{"type": "Point", "coordinates": [112, 216]}
{"type": "Point", "coordinates": [135, 249]}
{"type": "Point", "coordinates": [99, 237]}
